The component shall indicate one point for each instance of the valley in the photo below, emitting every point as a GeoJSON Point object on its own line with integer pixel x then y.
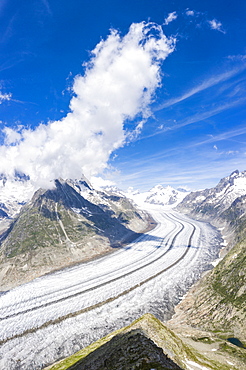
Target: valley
{"type": "Point", "coordinates": [80, 265]}
{"type": "Point", "coordinates": [61, 312]}
{"type": "Point", "coordinates": [122, 185]}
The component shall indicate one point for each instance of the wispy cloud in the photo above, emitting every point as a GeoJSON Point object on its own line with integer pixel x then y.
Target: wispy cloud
{"type": "Point", "coordinates": [206, 84]}
{"type": "Point", "coordinates": [2, 6]}
{"type": "Point", "coordinates": [177, 150]}
{"type": "Point", "coordinates": [47, 6]}
{"type": "Point", "coordinates": [232, 152]}
{"type": "Point", "coordinates": [171, 17]}
{"type": "Point", "coordinates": [193, 168]}
{"type": "Point", "coordinates": [200, 116]}
{"type": "Point", "coordinates": [192, 172]}
{"type": "Point", "coordinates": [216, 25]}
{"type": "Point", "coordinates": [8, 31]}
{"type": "Point", "coordinates": [223, 136]}
{"type": "Point", "coordinates": [239, 57]}
{"type": "Point", "coordinates": [16, 58]}
{"type": "Point", "coordinates": [197, 117]}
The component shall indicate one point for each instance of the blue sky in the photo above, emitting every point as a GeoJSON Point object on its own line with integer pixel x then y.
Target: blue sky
{"type": "Point", "coordinates": [177, 116]}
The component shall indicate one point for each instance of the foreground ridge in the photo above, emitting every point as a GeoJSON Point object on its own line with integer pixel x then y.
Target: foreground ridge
{"type": "Point", "coordinates": [149, 344]}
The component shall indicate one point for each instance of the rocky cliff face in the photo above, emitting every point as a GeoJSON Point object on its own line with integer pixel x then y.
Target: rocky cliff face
{"type": "Point", "coordinates": [128, 351]}
{"type": "Point", "coordinates": [217, 302]}
{"type": "Point", "coordinates": [59, 227]}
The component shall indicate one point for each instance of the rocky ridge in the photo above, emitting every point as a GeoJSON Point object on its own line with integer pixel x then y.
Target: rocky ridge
{"type": "Point", "coordinates": [13, 195]}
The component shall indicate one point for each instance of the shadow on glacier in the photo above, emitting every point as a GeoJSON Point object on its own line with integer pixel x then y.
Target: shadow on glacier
{"type": "Point", "coordinates": [156, 241]}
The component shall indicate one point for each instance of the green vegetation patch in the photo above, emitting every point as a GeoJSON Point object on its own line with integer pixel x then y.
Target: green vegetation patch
{"type": "Point", "coordinates": [229, 277]}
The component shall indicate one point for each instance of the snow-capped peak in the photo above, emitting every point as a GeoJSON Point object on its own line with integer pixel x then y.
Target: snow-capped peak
{"type": "Point", "coordinates": [157, 188]}
{"type": "Point", "coordinates": [160, 195]}
{"type": "Point", "coordinates": [217, 199]}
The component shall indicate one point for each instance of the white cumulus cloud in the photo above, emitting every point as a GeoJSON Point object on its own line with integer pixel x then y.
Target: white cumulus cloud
{"type": "Point", "coordinates": [118, 84]}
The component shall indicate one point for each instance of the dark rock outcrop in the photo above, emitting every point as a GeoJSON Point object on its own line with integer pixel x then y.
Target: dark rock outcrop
{"type": "Point", "coordinates": [129, 351]}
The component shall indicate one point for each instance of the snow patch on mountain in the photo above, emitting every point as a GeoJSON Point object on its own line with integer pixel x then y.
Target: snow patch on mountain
{"type": "Point", "coordinates": [13, 195]}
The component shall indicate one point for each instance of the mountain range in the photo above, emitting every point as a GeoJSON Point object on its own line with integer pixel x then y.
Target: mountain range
{"type": "Point", "coordinates": [73, 222]}
{"type": "Point", "coordinates": [158, 195]}
{"type": "Point", "coordinates": [208, 328]}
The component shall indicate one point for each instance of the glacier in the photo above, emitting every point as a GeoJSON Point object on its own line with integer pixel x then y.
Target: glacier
{"type": "Point", "coordinates": [57, 314]}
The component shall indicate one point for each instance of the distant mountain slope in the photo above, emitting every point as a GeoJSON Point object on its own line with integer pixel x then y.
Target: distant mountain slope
{"type": "Point", "coordinates": [210, 203]}
{"type": "Point", "coordinates": [235, 218]}
{"type": "Point", "coordinates": [112, 200]}
{"type": "Point", "coordinates": [223, 206]}
{"type": "Point", "coordinates": [60, 226]}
